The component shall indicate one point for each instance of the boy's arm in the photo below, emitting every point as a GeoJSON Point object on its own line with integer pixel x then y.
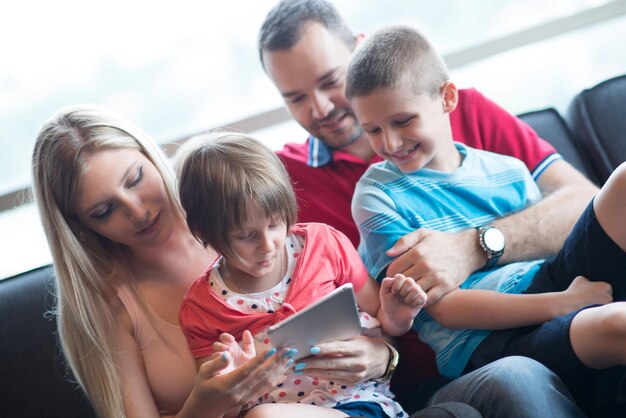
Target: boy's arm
{"type": "Point", "coordinates": [485, 309]}
{"type": "Point", "coordinates": [446, 259]}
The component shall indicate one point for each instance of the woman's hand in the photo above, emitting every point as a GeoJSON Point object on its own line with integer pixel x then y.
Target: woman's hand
{"type": "Point", "coordinates": [347, 362]}
{"type": "Point", "coordinates": [216, 392]}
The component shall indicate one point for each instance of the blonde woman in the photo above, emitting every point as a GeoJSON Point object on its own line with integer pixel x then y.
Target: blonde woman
{"type": "Point", "coordinates": [123, 259]}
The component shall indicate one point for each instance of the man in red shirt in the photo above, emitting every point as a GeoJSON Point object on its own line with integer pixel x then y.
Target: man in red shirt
{"type": "Point", "coordinates": [305, 48]}
{"type": "Point", "coordinates": [308, 69]}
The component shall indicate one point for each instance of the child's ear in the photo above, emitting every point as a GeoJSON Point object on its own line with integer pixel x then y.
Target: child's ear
{"type": "Point", "coordinates": [450, 96]}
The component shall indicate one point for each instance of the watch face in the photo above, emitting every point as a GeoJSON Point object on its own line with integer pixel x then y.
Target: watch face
{"type": "Point", "coordinates": [494, 239]}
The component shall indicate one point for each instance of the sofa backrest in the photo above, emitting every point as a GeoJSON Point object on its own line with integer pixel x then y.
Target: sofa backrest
{"type": "Point", "coordinates": [549, 124]}
{"type": "Point", "coordinates": [597, 118]}
{"type": "Point", "coordinates": [34, 381]}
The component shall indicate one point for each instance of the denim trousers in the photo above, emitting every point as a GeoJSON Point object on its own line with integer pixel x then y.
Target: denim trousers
{"type": "Point", "coordinates": [512, 387]}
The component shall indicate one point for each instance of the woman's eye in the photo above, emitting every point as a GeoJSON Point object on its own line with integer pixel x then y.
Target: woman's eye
{"type": "Point", "coordinates": [138, 177]}
{"type": "Point", "coordinates": [104, 214]}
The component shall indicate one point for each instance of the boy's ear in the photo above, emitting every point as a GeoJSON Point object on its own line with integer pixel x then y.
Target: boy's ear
{"type": "Point", "coordinates": [450, 96]}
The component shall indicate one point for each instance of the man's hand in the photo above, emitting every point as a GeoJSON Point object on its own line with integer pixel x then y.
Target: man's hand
{"type": "Point", "coordinates": [438, 261]}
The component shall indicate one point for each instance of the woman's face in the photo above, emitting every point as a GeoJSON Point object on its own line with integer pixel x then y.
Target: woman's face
{"type": "Point", "coordinates": [121, 196]}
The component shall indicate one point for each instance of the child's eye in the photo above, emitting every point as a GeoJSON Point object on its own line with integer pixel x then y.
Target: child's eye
{"type": "Point", "coordinates": [246, 237]}
{"type": "Point", "coordinates": [372, 131]}
{"type": "Point", "coordinates": [403, 122]}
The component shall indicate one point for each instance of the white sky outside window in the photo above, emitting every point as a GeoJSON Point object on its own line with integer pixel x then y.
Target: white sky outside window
{"type": "Point", "coordinates": [179, 68]}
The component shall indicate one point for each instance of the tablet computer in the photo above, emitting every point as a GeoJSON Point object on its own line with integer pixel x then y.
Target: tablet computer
{"type": "Point", "coordinates": [331, 318]}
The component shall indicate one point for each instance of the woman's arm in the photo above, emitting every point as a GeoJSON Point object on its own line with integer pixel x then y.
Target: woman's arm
{"type": "Point", "coordinates": [136, 394]}
{"type": "Point", "coordinates": [485, 309]}
{"type": "Point", "coordinates": [213, 394]}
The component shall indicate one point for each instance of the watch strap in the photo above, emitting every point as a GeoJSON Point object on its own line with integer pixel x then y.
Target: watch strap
{"type": "Point", "coordinates": [394, 358]}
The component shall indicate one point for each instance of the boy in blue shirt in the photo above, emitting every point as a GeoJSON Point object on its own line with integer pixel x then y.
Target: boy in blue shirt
{"type": "Point", "coordinates": [399, 89]}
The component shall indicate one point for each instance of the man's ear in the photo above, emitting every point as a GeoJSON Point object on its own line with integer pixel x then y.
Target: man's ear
{"type": "Point", "coordinates": [358, 39]}
{"type": "Point", "coordinates": [450, 96]}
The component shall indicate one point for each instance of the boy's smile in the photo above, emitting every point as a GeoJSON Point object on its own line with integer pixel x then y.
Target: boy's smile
{"type": "Point", "coordinates": [411, 131]}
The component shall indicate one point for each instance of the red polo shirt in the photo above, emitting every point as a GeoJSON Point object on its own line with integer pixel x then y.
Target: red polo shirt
{"type": "Point", "coordinates": [324, 180]}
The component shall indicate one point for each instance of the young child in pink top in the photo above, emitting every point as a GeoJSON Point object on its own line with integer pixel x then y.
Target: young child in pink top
{"type": "Point", "coordinates": [239, 200]}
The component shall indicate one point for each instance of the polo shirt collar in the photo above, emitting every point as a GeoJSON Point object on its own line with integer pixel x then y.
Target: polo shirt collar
{"type": "Point", "coordinates": [320, 154]}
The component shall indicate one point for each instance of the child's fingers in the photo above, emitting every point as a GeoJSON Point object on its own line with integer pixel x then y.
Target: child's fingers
{"type": "Point", "coordinates": [247, 343]}
{"type": "Point", "coordinates": [399, 281]}
{"type": "Point", "coordinates": [226, 338]}
{"type": "Point", "coordinates": [219, 347]}
{"type": "Point", "coordinates": [416, 296]}
{"type": "Point", "coordinates": [385, 285]}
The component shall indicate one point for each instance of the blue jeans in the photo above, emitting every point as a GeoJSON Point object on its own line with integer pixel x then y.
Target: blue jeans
{"type": "Point", "coordinates": [512, 387]}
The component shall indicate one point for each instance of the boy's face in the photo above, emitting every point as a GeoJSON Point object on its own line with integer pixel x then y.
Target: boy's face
{"type": "Point", "coordinates": [412, 131]}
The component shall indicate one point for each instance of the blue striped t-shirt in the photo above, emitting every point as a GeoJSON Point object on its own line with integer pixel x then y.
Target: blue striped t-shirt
{"type": "Point", "coordinates": [388, 204]}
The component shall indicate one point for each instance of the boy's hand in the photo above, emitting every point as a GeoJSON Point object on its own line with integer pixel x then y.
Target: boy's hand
{"type": "Point", "coordinates": [583, 292]}
{"type": "Point", "coordinates": [401, 298]}
{"type": "Point", "coordinates": [239, 353]}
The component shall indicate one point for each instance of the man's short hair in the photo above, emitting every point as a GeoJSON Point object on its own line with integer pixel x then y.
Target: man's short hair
{"type": "Point", "coordinates": [396, 57]}
{"type": "Point", "coordinates": [284, 24]}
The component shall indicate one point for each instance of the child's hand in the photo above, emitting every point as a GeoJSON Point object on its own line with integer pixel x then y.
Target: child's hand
{"type": "Point", "coordinates": [582, 292]}
{"type": "Point", "coordinates": [401, 298]}
{"type": "Point", "coordinates": [239, 353]}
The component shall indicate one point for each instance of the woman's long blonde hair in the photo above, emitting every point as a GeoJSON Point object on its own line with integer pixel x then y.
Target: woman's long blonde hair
{"type": "Point", "coordinates": [88, 267]}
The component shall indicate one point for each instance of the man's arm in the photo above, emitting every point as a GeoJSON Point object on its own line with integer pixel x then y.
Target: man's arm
{"type": "Point", "coordinates": [540, 230]}
{"type": "Point", "coordinates": [441, 261]}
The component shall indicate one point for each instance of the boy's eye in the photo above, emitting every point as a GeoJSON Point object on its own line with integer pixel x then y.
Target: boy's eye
{"type": "Point", "coordinates": [372, 131]}
{"type": "Point", "coordinates": [403, 122]}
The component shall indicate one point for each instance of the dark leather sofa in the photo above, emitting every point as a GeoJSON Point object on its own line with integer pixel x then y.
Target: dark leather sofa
{"type": "Point", "coordinates": [34, 381]}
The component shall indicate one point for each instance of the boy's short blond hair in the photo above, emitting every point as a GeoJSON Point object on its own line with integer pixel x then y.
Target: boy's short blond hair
{"type": "Point", "coordinates": [396, 57]}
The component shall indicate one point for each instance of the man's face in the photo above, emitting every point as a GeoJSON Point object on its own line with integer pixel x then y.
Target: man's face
{"type": "Point", "coordinates": [311, 77]}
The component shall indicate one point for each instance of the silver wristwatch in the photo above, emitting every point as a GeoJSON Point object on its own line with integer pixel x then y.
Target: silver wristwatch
{"type": "Point", "coordinates": [492, 241]}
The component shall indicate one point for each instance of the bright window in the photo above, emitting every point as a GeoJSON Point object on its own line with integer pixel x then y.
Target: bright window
{"type": "Point", "coordinates": [179, 68]}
